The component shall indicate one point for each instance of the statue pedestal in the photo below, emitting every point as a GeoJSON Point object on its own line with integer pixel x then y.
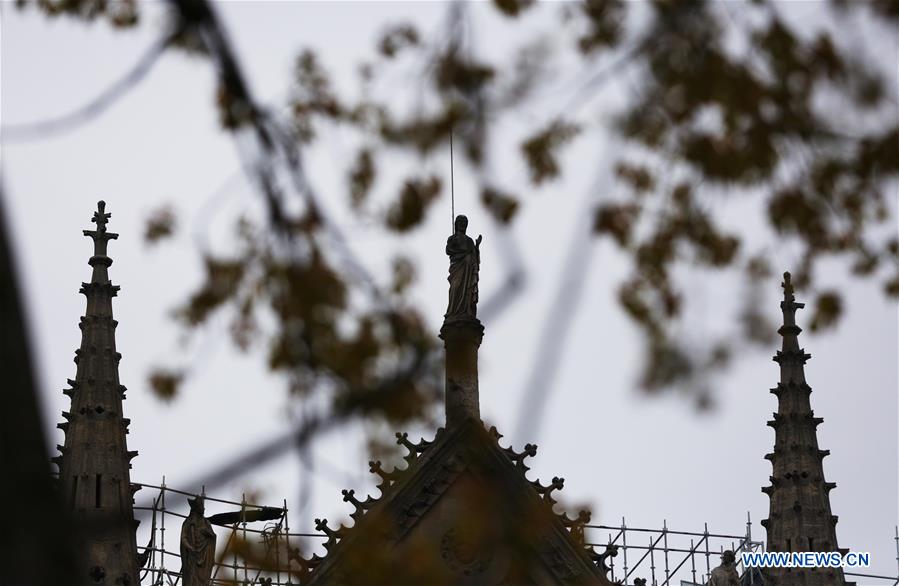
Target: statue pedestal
{"type": "Point", "coordinates": [461, 338]}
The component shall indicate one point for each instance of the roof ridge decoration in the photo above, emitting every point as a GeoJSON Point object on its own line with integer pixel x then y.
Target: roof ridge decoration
{"type": "Point", "coordinates": [395, 482]}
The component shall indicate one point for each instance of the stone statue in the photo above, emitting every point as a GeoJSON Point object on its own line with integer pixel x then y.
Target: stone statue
{"type": "Point", "coordinates": [465, 262]}
{"type": "Point", "coordinates": [726, 573]}
{"type": "Point", "coordinates": [197, 546]}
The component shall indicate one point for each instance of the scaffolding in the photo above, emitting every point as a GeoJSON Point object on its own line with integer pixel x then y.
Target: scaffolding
{"type": "Point", "coordinates": [264, 526]}
{"type": "Point", "coordinates": [638, 556]}
{"type": "Point", "coordinates": [665, 557]}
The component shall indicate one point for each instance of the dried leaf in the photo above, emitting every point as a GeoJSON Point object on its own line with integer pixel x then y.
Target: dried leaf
{"type": "Point", "coordinates": [464, 75]}
{"type": "Point", "coordinates": [512, 7]}
{"type": "Point", "coordinates": [222, 280]}
{"type": "Point", "coordinates": [403, 274]}
{"type": "Point", "coordinates": [500, 204]}
{"type": "Point", "coordinates": [617, 220]}
{"type": "Point", "coordinates": [637, 176]}
{"type": "Point", "coordinates": [415, 198]}
{"type": "Point", "coordinates": [361, 178]}
{"type": "Point", "coordinates": [891, 287]}
{"type": "Point", "coordinates": [540, 150]}
{"type": "Point", "coordinates": [828, 308]}
{"type": "Point", "coordinates": [397, 38]}
{"type": "Point", "coordinates": [604, 19]}
{"type": "Point", "coordinates": [160, 225]}
{"type": "Point", "coordinates": [165, 383]}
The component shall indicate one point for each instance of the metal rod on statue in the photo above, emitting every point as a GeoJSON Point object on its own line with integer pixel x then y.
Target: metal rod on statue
{"type": "Point", "coordinates": [452, 187]}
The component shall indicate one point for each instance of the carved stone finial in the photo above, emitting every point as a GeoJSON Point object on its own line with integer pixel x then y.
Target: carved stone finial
{"type": "Point", "coordinates": [334, 535]}
{"type": "Point", "coordinates": [547, 491]}
{"type": "Point", "coordinates": [386, 477]}
{"type": "Point", "coordinates": [611, 551]}
{"type": "Point", "coordinates": [788, 287]}
{"type": "Point", "coordinates": [402, 439]}
{"type": "Point", "coordinates": [101, 216]}
{"type": "Point", "coordinates": [101, 237]}
{"type": "Point", "coordinates": [349, 496]}
{"type": "Point", "coordinates": [530, 450]}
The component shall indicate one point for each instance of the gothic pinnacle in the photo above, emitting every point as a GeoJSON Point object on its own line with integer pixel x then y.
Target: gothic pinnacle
{"type": "Point", "coordinates": [798, 492]}
{"type": "Point", "coordinates": [101, 237]}
{"type": "Point", "coordinates": [789, 306]}
{"type": "Point", "coordinates": [94, 462]}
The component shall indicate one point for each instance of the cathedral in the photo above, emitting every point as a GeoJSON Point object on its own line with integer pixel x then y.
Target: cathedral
{"type": "Point", "coordinates": [461, 512]}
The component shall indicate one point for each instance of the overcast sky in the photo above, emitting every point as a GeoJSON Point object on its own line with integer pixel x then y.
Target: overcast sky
{"type": "Point", "coordinates": [647, 459]}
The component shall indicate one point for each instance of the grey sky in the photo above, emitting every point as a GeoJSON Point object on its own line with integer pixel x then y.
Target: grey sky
{"type": "Point", "coordinates": [649, 459]}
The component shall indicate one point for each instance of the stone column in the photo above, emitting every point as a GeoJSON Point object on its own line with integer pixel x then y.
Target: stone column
{"type": "Point", "coordinates": [461, 338]}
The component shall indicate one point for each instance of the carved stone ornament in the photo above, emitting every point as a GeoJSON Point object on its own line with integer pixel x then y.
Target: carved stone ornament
{"type": "Point", "coordinates": [462, 555]}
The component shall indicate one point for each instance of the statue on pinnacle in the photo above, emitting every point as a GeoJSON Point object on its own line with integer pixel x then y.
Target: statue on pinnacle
{"type": "Point", "coordinates": [465, 263]}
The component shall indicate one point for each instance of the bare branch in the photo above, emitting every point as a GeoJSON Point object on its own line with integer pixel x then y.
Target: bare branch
{"type": "Point", "coordinates": [97, 106]}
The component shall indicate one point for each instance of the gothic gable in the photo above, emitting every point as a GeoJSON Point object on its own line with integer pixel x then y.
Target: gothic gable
{"type": "Point", "coordinates": [462, 512]}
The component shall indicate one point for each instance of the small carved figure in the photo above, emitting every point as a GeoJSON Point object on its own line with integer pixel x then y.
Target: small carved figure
{"type": "Point", "coordinates": [726, 573]}
{"type": "Point", "coordinates": [197, 546]}
{"type": "Point", "coordinates": [465, 263]}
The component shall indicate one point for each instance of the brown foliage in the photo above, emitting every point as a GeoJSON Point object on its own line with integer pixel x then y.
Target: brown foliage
{"type": "Point", "coordinates": [160, 225]}
{"type": "Point", "coordinates": [512, 7]}
{"type": "Point", "coordinates": [120, 14]}
{"type": "Point", "coordinates": [165, 383]}
{"type": "Point", "coordinates": [617, 220]}
{"type": "Point", "coordinates": [361, 177]}
{"type": "Point", "coordinates": [604, 23]}
{"type": "Point", "coordinates": [828, 307]}
{"type": "Point", "coordinates": [222, 280]}
{"type": "Point", "coordinates": [396, 38]}
{"type": "Point", "coordinates": [464, 75]}
{"type": "Point", "coordinates": [501, 205]}
{"type": "Point", "coordinates": [540, 149]}
{"type": "Point", "coordinates": [749, 123]}
{"type": "Point", "coordinates": [415, 198]}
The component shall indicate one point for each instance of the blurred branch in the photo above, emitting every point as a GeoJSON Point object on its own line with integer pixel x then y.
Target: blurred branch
{"type": "Point", "coordinates": [97, 106]}
{"type": "Point", "coordinates": [299, 438]}
{"type": "Point", "coordinates": [559, 319]}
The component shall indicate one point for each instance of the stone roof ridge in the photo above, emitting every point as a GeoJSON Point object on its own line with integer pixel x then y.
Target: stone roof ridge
{"type": "Point", "coordinates": [575, 526]}
{"type": "Point", "coordinates": [530, 450]}
{"type": "Point", "coordinates": [388, 481]}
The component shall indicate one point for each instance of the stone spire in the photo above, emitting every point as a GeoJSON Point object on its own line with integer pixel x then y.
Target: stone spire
{"type": "Point", "coordinates": [462, 331]}
{"type": "Point", "coordinates": [94, 463]}
{"type": "Point", "coordinates": [800, 517]}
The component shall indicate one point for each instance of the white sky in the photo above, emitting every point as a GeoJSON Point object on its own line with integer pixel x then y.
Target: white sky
{"type": "Point", "coordinates": [647, 459]}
